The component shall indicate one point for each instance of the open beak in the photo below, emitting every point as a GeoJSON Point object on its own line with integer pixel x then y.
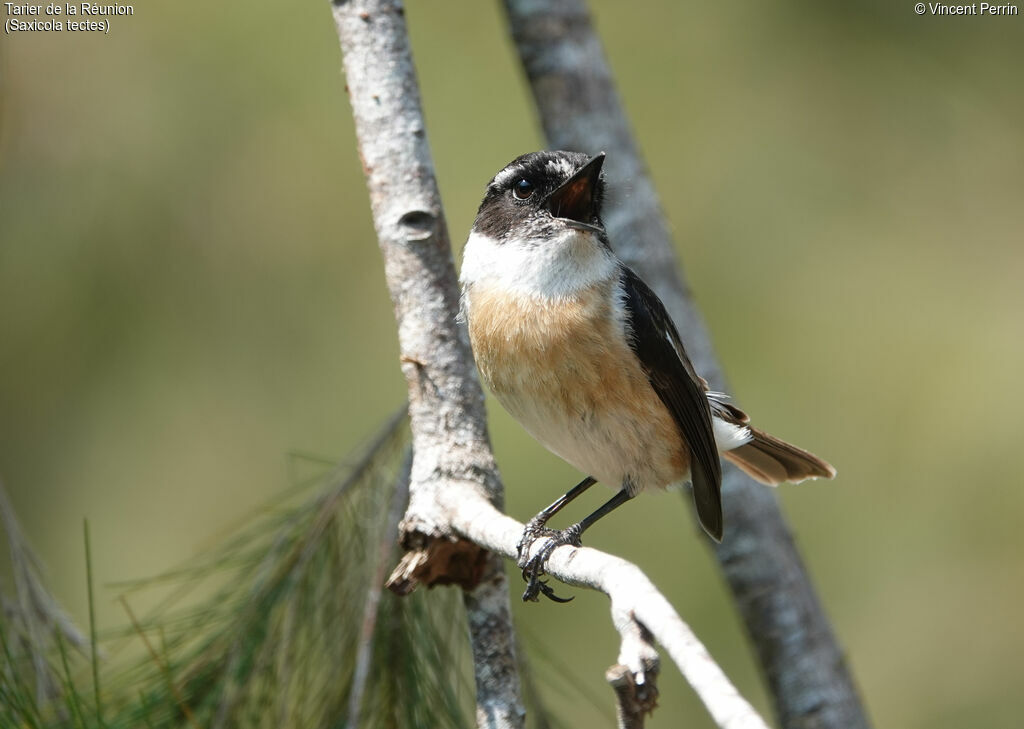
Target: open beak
{"type": "Point", "coordinates": [573, 202]}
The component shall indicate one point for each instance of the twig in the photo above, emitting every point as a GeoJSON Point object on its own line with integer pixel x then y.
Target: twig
{"type": "Point", "coordinates": [636, 693]}
{"type": "Point", "coordinates": [633, 702]}
{"type": "Point", "coordinates": [580, 109]}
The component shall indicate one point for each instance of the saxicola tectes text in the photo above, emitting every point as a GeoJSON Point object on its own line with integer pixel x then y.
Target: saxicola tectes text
{"type": "Point", "coordinates": [583, 354]}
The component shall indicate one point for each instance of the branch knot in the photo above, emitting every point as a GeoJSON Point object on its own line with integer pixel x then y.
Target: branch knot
{"type": "Point", "coordinates": [418, 225]}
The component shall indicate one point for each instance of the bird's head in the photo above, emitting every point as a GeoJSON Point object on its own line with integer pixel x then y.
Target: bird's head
{"type": "Point", "coordinates": [541, 196]}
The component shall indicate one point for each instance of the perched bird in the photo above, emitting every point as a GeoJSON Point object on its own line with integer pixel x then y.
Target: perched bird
{"type": "Point", "coordinates": [583, 354]}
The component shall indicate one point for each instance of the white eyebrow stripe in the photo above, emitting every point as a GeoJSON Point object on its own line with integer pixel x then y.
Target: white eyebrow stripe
{"type": "Point", "coordinates": [503, 177]}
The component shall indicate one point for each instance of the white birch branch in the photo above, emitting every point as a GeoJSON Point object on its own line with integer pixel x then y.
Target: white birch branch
{"type": "Point", "coordinates": [446, 410]}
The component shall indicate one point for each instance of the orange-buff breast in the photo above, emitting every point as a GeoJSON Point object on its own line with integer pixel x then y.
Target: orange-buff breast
{"type": "Point", "coordinates": [563, 369]}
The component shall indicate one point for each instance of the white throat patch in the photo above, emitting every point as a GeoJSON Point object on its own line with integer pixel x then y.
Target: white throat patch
{"type": "Point", "coordinates": [556, 267]}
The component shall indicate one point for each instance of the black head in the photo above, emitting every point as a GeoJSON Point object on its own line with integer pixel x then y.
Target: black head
{"type": "Point", "coordinates": [541, 194]}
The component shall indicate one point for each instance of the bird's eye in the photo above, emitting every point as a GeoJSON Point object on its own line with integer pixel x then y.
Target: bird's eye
{"type": "Point", "coordinates": [522, 189]}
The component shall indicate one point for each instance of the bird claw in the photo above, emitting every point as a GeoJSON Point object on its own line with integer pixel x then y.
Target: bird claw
{"type": "Point", "coordinates": [544, 589]}
{"type": "Point", "coordinates": [534, 530]}
{"type": "Point", "coordinates": [533, 567]}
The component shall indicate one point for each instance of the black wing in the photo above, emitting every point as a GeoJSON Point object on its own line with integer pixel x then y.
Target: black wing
{"type": "Point", "coordinates": [656, 344]}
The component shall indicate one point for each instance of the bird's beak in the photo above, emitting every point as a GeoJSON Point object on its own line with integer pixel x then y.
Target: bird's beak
{"type": "Point", "coordinates": [574, 201]}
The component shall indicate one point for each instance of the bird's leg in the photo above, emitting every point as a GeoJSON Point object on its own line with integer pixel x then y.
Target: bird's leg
{"type": "Point", "coordinates": [535, 527]}
{"type": "Point", "coordinates": [533, 567]}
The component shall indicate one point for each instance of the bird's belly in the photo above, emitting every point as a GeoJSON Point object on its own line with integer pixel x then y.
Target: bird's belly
{"type": "Point", "coordinates": [567, 374]}
{"type": "Point", "coordinates": [617, 447]}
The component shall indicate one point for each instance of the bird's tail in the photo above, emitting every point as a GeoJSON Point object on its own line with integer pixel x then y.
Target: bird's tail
{"type": "Point", "coordinates": [772, 461]}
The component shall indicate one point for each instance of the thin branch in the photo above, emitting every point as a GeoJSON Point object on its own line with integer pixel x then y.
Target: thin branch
{"type": "Point", "coordinates": [580, 109]}
{"type": "Point", "coordinates": [446, 409]}
{"type": "Point", "coordinates": [634, 700]}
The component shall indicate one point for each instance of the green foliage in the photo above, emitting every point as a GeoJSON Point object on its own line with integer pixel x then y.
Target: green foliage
{"type": "Point", "coordinates": [34, 634]}
{"type": "Point", "coordinates": [295, 630]}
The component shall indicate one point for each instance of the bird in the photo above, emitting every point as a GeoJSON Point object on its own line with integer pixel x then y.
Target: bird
{"type": "Point", "coordinates": [582, 353]}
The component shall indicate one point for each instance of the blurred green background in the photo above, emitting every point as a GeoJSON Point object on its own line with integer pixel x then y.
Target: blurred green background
{"type": "Point", "coordinates": [190, 288]}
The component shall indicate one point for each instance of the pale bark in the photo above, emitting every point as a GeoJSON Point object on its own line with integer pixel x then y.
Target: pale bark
{"type": "Point", "coordinates": [446, 409]}
{"type": "Point", "coordinates": [580, 110]}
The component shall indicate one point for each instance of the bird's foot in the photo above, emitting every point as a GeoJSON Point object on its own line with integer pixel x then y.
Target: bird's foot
{"type": "Point", "coordinates": [533, 567]}
{"type": "Point", "coordinates": [534, 530]}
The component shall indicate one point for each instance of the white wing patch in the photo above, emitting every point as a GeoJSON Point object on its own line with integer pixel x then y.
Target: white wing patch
{"type": "Point", "coordinates": [729, 435]}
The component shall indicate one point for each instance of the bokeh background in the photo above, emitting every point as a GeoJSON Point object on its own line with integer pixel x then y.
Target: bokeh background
{"type": "Point", "coordinates": [190, 290]}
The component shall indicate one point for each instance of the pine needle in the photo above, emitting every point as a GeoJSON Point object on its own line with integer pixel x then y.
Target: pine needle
{"type": "Point", "coordinates": [34, 630]}
{"type": "Point", "coordinates": [161, 664]}
{"type": "Point", "coordinates": [290, 634]}
{"type": "Point", "coordinates": [73, 702]}
{"type": "Point", "coordinates": [92, 626]}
